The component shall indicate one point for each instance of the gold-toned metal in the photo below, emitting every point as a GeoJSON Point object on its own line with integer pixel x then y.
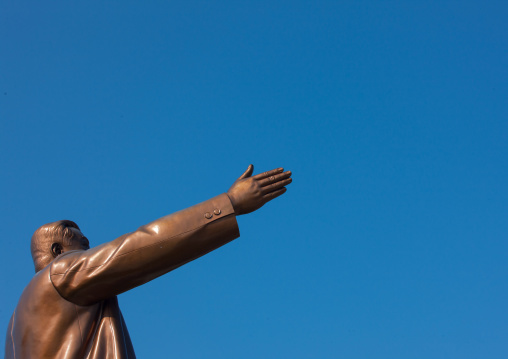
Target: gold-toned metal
{"type": "Point", "coordinates": [70, 310]}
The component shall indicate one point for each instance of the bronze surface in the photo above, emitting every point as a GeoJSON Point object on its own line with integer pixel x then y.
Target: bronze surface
{"type": "Point", "coordinates": [69, 309]}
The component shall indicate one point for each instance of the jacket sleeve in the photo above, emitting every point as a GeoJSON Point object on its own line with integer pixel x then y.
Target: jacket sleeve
{"type": "Point", "coordinates": [86, 277]}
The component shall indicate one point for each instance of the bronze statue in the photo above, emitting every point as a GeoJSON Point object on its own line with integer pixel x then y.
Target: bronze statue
{"type": "Point", "coordinates": [70, 310]}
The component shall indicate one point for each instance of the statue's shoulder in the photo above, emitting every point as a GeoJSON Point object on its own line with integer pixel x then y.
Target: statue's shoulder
{"type": "Point", "coordinates": [39, 287]}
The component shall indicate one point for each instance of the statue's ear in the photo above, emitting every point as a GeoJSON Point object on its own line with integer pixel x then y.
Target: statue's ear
{"type": "Point", "coordinates": [56, 249]}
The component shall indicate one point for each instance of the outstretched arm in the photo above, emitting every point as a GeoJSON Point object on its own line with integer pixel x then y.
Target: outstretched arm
{"type": "Point", "coordinates": [86, 277]}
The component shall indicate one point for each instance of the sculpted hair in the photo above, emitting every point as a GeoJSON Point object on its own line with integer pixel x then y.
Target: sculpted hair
{"type": "Point", "coordinates": [45, 236]}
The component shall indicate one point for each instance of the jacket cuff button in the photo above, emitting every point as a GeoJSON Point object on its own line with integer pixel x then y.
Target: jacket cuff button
{"type": "Point", "coordinates": [208, 215]}
{"type": "Point", "coordinates": [216, 211]}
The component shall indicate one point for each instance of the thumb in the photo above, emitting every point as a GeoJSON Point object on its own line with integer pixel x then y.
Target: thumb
{"type": "Point", "coordinates": [247, 173]}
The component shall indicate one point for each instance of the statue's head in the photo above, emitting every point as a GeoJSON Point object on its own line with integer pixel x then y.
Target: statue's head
{"type": "Point", "coordinates": [53, 239]}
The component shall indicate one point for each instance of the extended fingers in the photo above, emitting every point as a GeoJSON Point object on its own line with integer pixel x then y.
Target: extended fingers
{"type": "Point", "coordinates": [276, 185]}
{"type": "Point", "coordinates": [269, 196]}
{"type": "Point", "coordinates": [268, 174]}
{"type": "Point", "coordinates": [274, 178]}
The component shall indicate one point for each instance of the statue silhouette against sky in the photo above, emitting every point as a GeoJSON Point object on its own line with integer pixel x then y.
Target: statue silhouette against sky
{"type": "Point", "coordinates": [70, 309]}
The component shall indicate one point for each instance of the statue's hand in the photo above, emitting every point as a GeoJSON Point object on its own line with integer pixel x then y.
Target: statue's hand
{"type": "Point", "coordinates": [250, 193]}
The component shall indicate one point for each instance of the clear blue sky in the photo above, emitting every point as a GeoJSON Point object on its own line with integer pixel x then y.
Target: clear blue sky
{"type": "Point", "coordinates": [393, 116]}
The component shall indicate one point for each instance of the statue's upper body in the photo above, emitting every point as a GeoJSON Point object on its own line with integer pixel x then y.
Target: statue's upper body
{"type": "Point", "coordinates": [70, 310]}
